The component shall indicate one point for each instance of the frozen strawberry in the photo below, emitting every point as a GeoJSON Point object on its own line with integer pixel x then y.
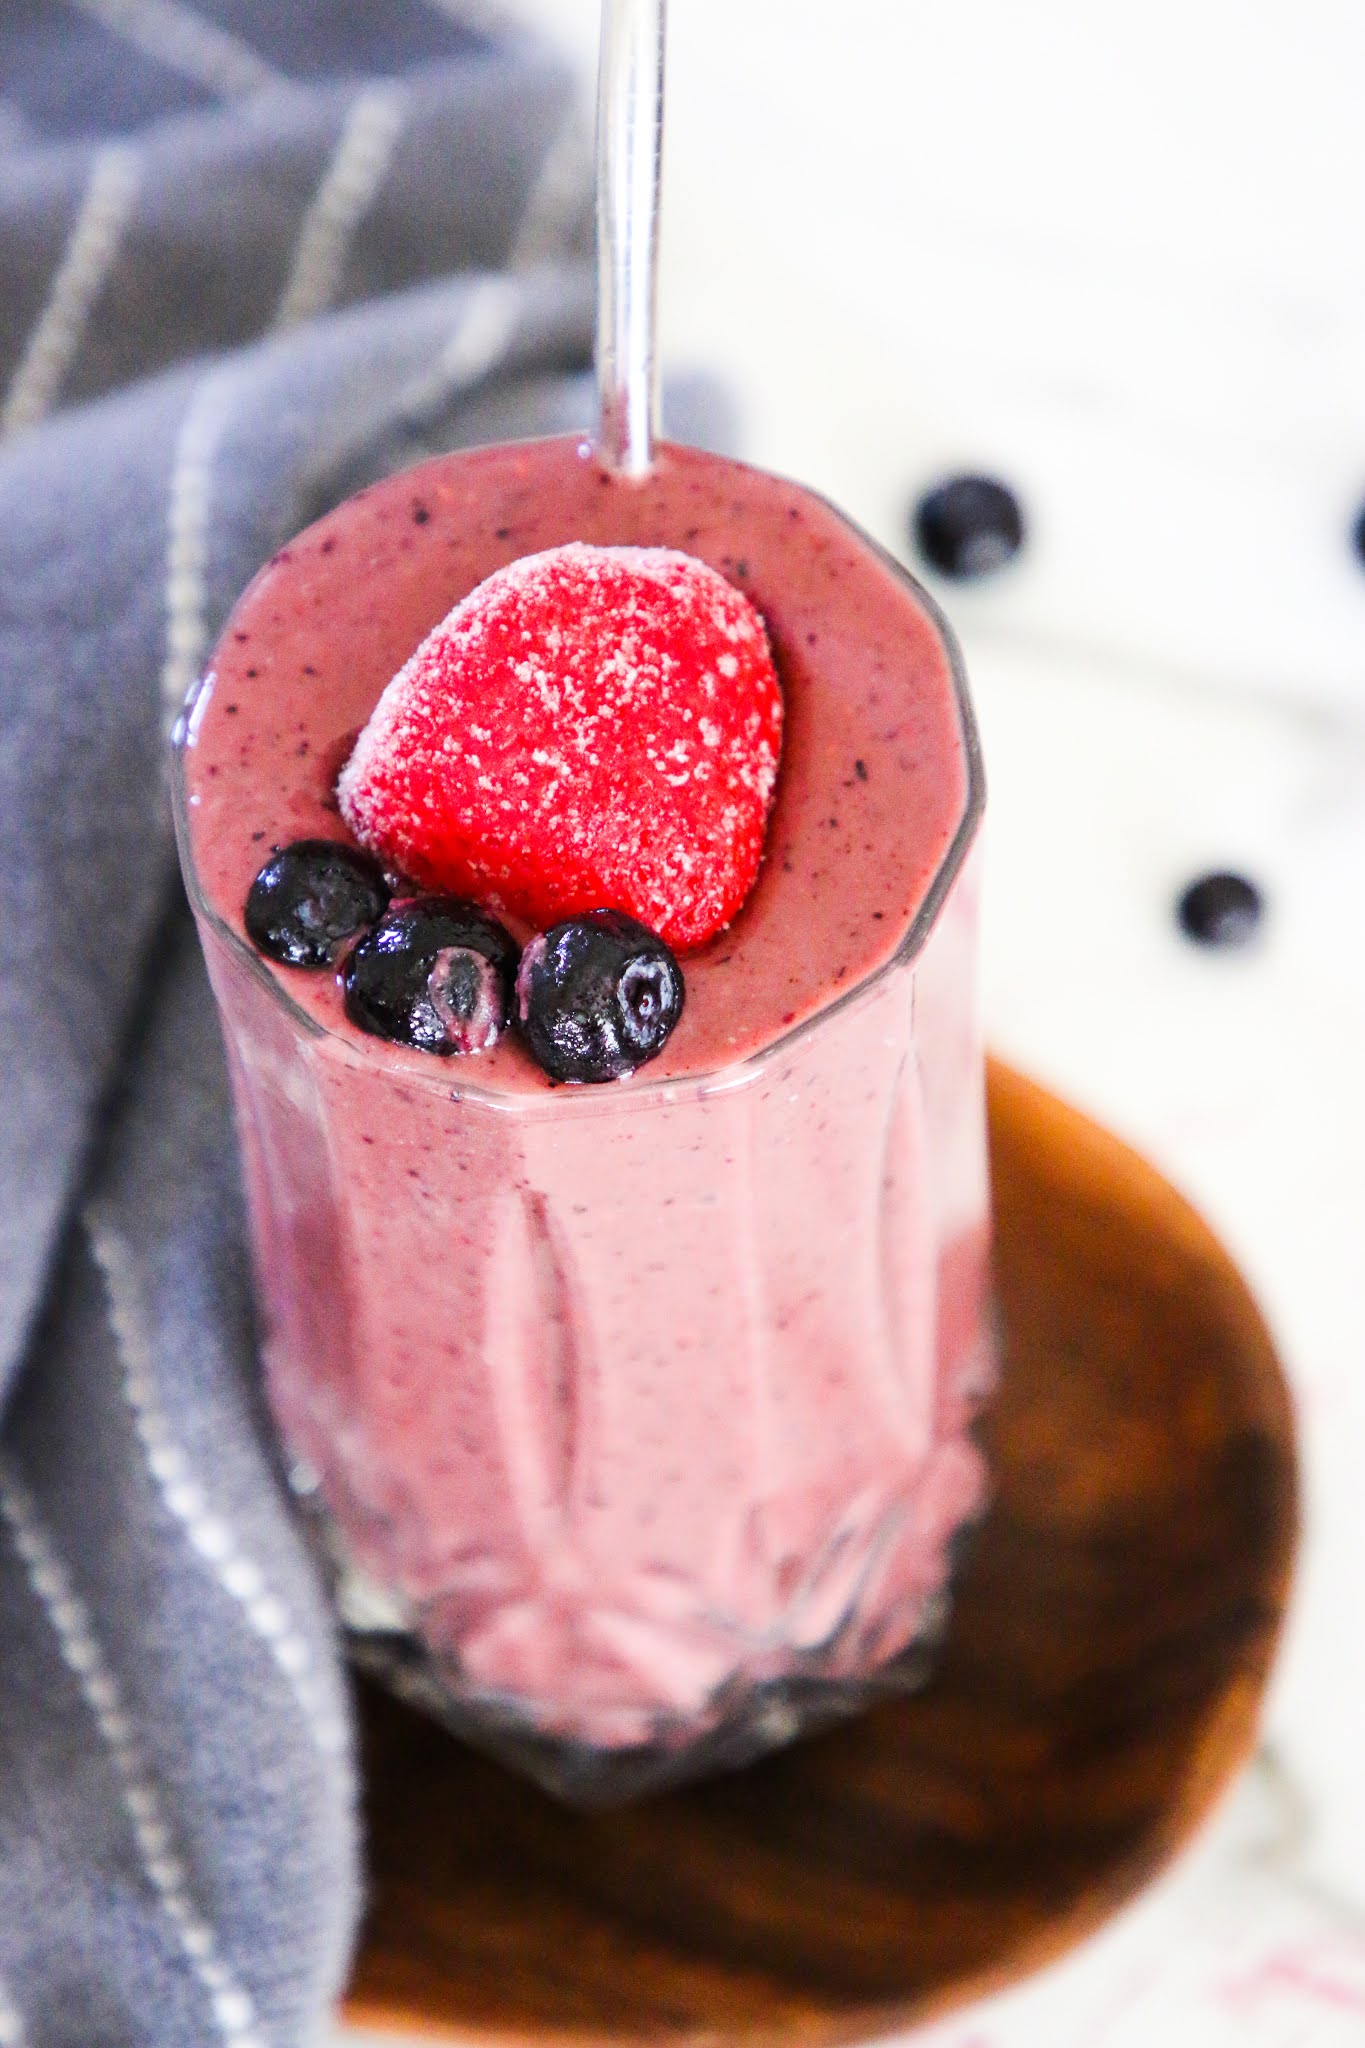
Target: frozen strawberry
{"type": "Point", "coordinates": [592, 728]}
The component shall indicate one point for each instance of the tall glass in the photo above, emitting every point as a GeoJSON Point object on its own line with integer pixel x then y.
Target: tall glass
{"type": "Point", "coordinates": [635, 1419]}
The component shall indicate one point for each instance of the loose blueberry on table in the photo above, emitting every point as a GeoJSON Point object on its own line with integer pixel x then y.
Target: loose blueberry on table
{"type": "Point", "coordinates": [1221, 909]}
{"type": "Point", "coordinates": [968, 527]}
{"type": "Point", "coordinates": [311, 898]}
{"type": "Point", "coordinates": [597, 996]}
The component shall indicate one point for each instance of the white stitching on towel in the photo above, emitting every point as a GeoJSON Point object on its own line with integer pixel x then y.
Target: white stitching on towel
{"type": "Point", "coordinates": [91, 250]}
{"type": "Point", "coordinates": [211, 1536]}
{"type": "Point", "coordinates": [556, 198]}
{"type": "Point", "coordinates": [174, 35]}
{"type": "Point", "coordinates": [489, 321]}
{"type": "Point", "coordinates": [81, 1652]}
{"type": "Point", "coordinates": [348, 188]}
{"type": "Point", "coordinates": [490, 316]}
{"type": "Point", "coordinates": [187, 532]}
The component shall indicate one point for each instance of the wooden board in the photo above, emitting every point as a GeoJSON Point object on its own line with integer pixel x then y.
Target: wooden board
{"type": "Point", "coordinates": [1112, 1634]}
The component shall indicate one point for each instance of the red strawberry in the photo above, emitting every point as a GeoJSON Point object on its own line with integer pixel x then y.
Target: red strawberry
{"type": "Point", "coordinates": [592, 728]}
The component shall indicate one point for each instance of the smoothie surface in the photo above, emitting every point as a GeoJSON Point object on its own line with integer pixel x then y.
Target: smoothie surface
{"type": "Point", "coordinates": [874, 780]}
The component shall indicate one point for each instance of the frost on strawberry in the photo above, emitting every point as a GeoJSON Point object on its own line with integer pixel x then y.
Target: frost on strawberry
{"type": "Point", "coordinates": [591, 728]}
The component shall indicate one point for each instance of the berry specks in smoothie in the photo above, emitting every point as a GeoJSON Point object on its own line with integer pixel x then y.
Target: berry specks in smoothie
{"type": "Point", "coordinates": [597, 996]}
{"type": "Point", "coordinates": [310, 898]}
{"type": "Point", "coordinates": [435, 974]}
{"type": "Point", "coordinates": [592, 725]}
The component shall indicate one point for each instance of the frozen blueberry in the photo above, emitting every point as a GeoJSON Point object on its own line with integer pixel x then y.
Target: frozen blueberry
{"type": "Point", "coordinates": [435, 973]}
{"type": "Point", "coordinates": [1220, 910]}
{"type": "Point", "coordinates": [968, 526]}
{"type": "Point", "coordinates": [310, 898]}
{"type": "Point", "coordinates": [597, 996]}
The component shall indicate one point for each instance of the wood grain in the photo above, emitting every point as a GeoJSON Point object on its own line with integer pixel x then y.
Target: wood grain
{"type": "Point", "coordinates": [1112, 1634]}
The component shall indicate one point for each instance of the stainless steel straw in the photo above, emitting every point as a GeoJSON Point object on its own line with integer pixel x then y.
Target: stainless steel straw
{"type": "Point", "coordinates": [630, 113]}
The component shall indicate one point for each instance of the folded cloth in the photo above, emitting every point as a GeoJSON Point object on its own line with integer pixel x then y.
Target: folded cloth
{"type": "Point", "coordinates": [249, 254]}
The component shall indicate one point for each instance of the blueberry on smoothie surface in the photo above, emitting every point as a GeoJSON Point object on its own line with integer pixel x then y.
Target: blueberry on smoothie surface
{"type": "Point", "coordinates": [310, 898]}
{"type": "Point", "coordinates": [597, 996]}
{"type": "Point", "coordinates": [436, 973]}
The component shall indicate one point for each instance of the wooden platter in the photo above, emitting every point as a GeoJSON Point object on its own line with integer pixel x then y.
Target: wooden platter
{"type": "Point", "coordinates": [1112, 1634]}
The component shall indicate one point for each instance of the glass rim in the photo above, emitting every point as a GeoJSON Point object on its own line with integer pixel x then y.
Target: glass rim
{"type": "Point", "coordinates": [638, 1086]}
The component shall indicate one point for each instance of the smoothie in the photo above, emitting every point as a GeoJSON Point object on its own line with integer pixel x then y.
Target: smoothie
{"type": "Point", "coordinates": [644, 1407]}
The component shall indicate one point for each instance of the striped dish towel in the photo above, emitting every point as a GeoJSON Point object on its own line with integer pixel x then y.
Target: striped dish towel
{"type": "Point", "coordinates": [251, 253]}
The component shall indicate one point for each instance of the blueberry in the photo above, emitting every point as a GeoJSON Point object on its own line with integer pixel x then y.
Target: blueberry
{"type": "Point", "coordinates": [435, 973]}
{"type": "Point", "coordinates": [597, 997]}
{"type": "Point", "coordinates": [968, 526]}
{"type": "Point", "coordinates": [1220, 910]}
{"type": "Point", "coordinates": [310, 898]}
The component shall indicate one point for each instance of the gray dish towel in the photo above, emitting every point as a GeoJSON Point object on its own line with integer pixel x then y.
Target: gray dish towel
{"type": "Point", "coordinates": [251, 251]}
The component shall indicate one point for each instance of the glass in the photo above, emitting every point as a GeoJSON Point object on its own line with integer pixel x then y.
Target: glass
{"type": "Point", "coordinates": [634, 1420]}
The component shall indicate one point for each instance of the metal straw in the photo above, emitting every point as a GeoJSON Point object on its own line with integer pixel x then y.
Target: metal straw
{"type": "Point", "coordinates": [630, 114]}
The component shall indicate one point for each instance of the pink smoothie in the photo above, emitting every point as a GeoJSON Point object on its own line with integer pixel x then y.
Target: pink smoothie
{"type": "Point", "coordinates": [633, 1399]}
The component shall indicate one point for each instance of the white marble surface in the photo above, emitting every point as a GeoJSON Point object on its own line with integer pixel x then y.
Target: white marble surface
{"type": "Point", "coordinates": [1115, 256]}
